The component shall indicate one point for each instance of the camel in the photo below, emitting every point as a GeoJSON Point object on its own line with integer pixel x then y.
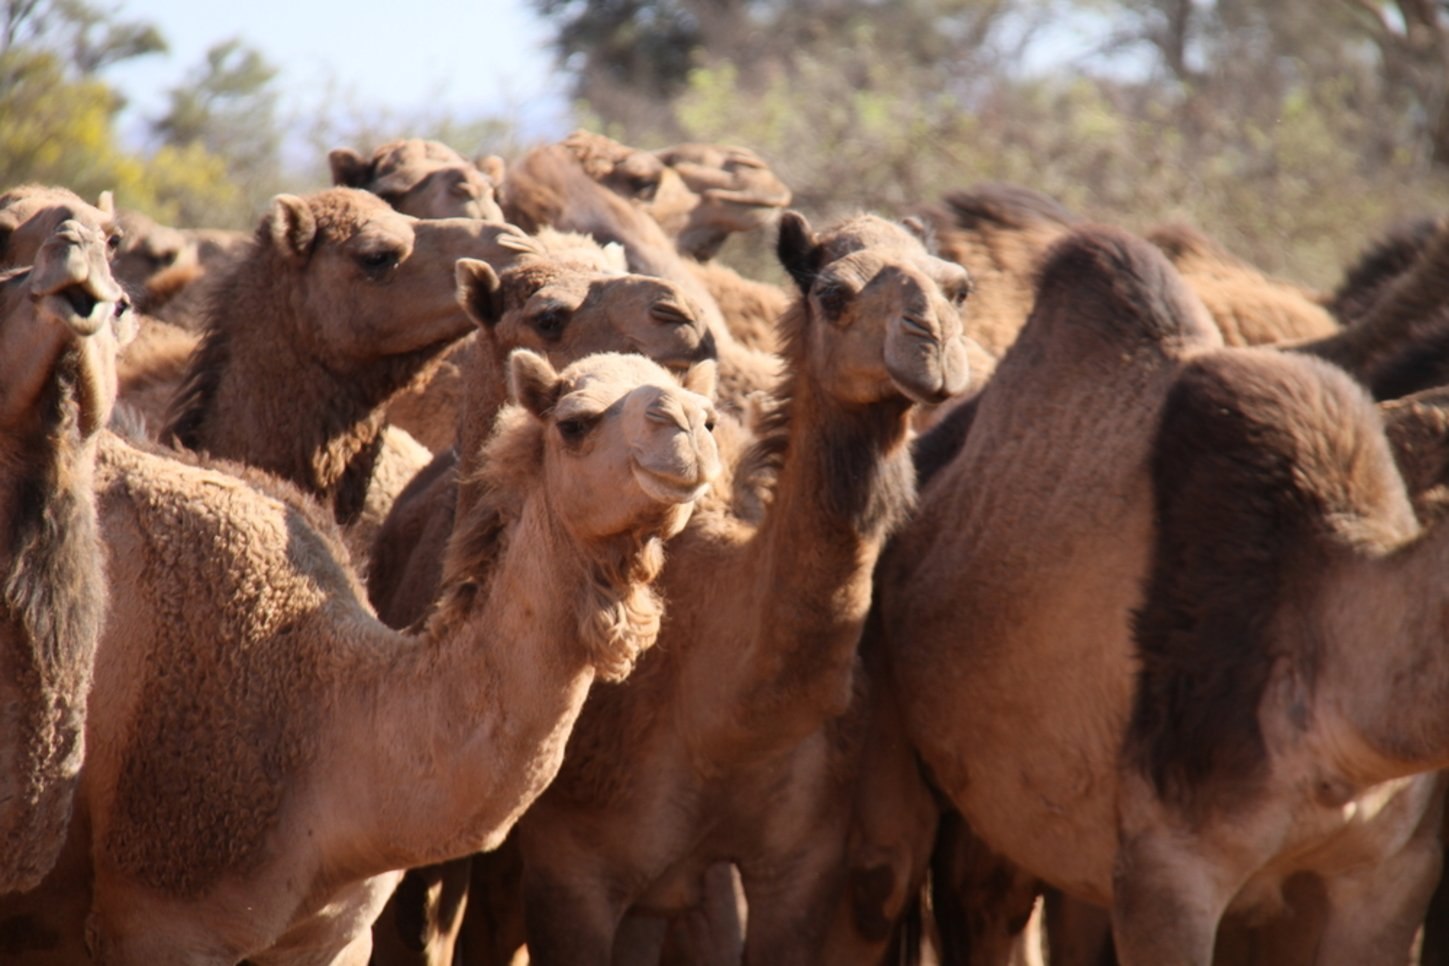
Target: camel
{"type": "Point", "coordinates": [735, 191]}
{"type": "Point", "coordinates": [425, 179]}
{"type": "Point", "coordinates": [1249, 307]}
{"type": "Point", "coordinates": [61, 322]}
{"type": "Point", "coordinates": [258, 744]}
{"type": "Point", "coordinates": [757, 659]}
{"type": "Point", "coordinates": [1186, 659]}
{"type": "Point", "coordinates": [153, 262]}
{"type": "Point", "coordinates": [341, 303]}
{"type": "Point", "coordinates": [582, 185]}
{"type": "Point", "coordinates": [30, 214]}
{"type": "Point", "coordinates": [1396, 346]}
{"type": "Point", "coordinates": [1379, 264]}
{"type": "Point", "coordinates": [562, 309]}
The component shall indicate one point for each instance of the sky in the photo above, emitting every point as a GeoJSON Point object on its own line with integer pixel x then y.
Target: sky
{"type": "Point", "coordinates": [484, 58]}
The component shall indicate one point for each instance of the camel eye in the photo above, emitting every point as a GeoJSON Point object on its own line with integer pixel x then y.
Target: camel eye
{"type": "Point", "coordinates": [832, 299]}
{"type": "Point", "coordinates": [960, 294]}
{"type": "Point", "coordinates": [379, 262]}
{"type": "Point", "coordinates": [574, 430]}
{"type": "Point", "coordinates": [551, 323]}
{"type": "Point", "coordinates": [644, 188]}
{"type": "Point", "coordinates": [113, 243]}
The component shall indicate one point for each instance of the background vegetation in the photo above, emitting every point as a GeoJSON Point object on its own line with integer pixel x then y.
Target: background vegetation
{"type": "Point", "coordinates": [1292, 130]}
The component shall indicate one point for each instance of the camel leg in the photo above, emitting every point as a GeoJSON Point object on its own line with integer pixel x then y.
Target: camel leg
{"type": "Point", "coordinates": [492, 928]}
{"type": "Point", "coordinates": [1374, 915]}
{"type": "Point", "coordinates": [790, 907]}
{"type": "Point", "coordinates": [569, 922]}
{"type": "Point", "coordinates": [1077, 932]}
{"type": "Point", "coordinates": [419, 925]}
{"type": "Point", "coordinates": [982, 902]}
{"type": "Point", "coordinates": [712, 932]}
{"type": "Point", "coordinates": [1167, 902]}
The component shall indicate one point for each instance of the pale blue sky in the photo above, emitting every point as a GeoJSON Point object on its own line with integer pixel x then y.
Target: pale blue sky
{"type": "Point", "coordinates": [410, 58]}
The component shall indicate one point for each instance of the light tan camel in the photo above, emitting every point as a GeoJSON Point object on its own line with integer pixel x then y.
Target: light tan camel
{"type": "Point", "coordinates": [683, 768]}
{"type": "Point", "coordinates": [425, 179]}
{"type": "Point", "coordinates": [341, 303]}
{"type": "Point", "coordinates": [735, 191]}
{"type": "Point", "coordinates": [31, 213]}
{"type": "Point", "coordinates": [559, 186]}
{"type": "Point", "coordinates": [557, 307]}
{"type": "Point", "coordinates": [429, 408]}
{"type": "Point", "coordinates": [265, 751]}
{"type": "Point", "coordinates": [1220, 573]}
{"type": "Point", "coordinates": [61, 321]}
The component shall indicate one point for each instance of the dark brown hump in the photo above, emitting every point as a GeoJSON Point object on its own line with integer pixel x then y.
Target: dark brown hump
{"type": "Point", "coordinates": [1001, 204]}
{"type": "Point", "coordinates": [1257, 455]}
{"type": "Point", "coordinates": [1378, 265]}
{"type": "Point", "coordinates": [1108, 283]}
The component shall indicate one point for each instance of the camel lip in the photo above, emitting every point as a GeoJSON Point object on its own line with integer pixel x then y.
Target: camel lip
{"type": "Point", "coordinates": [666, 490]}
{"type": "Point", "coordinates": [76, 307]}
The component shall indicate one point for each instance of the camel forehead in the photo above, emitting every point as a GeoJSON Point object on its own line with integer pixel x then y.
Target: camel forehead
{"type": "Point", "coordinates": [54, 204]}
{"type": "Point", "coordinates": [597, 382]}
{"type": "Point", "coordinates": [414, 151]}
{"type": "Point", "coordinates": [343, 213]}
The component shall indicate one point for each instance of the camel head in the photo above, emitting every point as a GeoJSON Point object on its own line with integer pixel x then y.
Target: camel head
{"type": "Point", "coordinates": [65, 314]}
{"type": "Point", "coordinates": [880, 316]}
{"type": "Point", "coordinates": [31, 214]}
{"type": "Point", "coordinates": [566, 310]}
{"type": "Point", "coordinates": [730, 189]}
{"type": "Point", "coordinates": [152, 260]}
{"type": "Point", "coordinates": [363, 282]}
{"type": "Point", "coordinates": [626, 446]}
{"type": "Point", "coordinates": [425, 179]}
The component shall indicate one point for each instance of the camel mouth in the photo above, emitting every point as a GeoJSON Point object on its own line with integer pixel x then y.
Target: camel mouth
{"type": "Point", "coordinates": [668, 489]}
{"type": "Point", "coordinates": [80, 309]}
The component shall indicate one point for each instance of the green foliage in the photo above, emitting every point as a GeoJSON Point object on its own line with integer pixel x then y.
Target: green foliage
{"type": "Point", "coordinates": [60, 117]}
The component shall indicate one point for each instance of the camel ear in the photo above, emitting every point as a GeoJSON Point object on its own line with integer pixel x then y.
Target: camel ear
{"type": "Point", "coordinates": [290, 226]}
{"type": "Point", "coordinates": [702, 377]}
{"type": "Point", "coordinates": [349, 169]}
{"type": "Point", "coordinates": [922, 231]}
{"type": "Point", "coordinates": [479, 291]}
{"type": "Point", "coordinates": [532, 382]}
{"type": "Point", "coordinates": [798, 249]}
{"type": "Point", "coordinates": [107, 202]}
{"type": "Point", "coordinates": [492, 167]}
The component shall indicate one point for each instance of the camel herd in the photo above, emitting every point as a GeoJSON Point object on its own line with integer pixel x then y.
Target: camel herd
{"type": "Point", "coordinates": [468, 566]}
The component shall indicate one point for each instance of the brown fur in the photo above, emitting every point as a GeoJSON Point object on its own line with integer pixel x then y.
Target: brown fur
{"type": "Point", "coordinates": [305, 344]}
{"type": "Point", "coordinates": [1397, 347]}
{"type": "Point", "coordinates": [1417, 427]}
{"type": "Point", "coordinates": [425, 179]}
{"type": "Point", "coordinates": [246, 702]}
{"type": "Point", "coordinates": [719, 748]}
{"type": "Point", "coordinates": [1259, 468]}
{"type": "Point", "coordinates": [52, 588]}
{"type": "Point", "coordinates": [1378, 265]}
{"type": "Point", "coordinates": [999, 232]}
{"type": "Point", "coordinates": [1249, 307]}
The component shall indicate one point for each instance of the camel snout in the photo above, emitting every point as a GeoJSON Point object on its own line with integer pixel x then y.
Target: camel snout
{"type": "Point", "coordinates": [679, 460]}
{"type": "Point", "coordinates": [927, 364]}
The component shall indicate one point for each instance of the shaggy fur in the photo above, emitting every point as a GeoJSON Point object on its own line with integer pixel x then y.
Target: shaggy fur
{"type": "Point", "coordinates": [52, 603]}
{"type": "Point", "coordinates": [1398, 345]}
{"type": "Point", "coordinates": [1262, 463]}
{"type": "Point", "coordinates": [1378, 265]}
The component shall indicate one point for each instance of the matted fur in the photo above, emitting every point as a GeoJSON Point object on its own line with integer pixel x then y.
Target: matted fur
{"type": "Point", "coordinates": [1263, 464]}
{"type": "Point", "coordinates": [52, 603]}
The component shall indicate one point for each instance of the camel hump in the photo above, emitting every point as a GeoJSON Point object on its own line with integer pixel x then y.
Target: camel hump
{"type": "Point", "coordinates": [1385, 260]}
{"type": "Point", "coordinates": [1001, 204]}
{"type": "Point", "coordinates": [1262, 461]}
{"type": "Point", "coordinates": [1108, 283]}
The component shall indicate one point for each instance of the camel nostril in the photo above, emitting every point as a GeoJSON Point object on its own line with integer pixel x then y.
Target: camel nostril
{"type": "Point", "coordinates": [123, 305]}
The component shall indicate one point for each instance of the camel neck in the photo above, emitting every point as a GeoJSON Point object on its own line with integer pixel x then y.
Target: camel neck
{"type": "Point", "coordinates": [485, 394]}
{"type": "Point", "coordinates": [845, 483]}
{"type": "Point", "coordinates": [1388, 668]}
{"type": "Point", "coordinates": [473, 717]}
